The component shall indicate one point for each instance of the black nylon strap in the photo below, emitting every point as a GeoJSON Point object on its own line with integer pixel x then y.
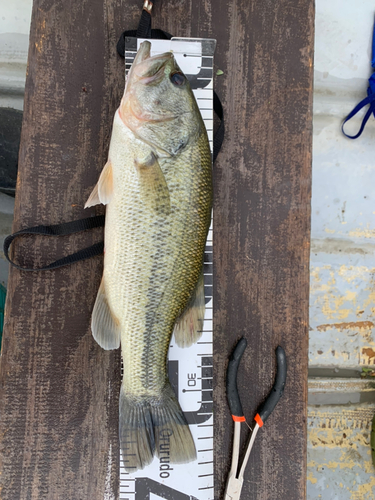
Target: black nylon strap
{"type": "Point", "coordinates": [60, 230]}
{"type": "Point", "coordinates": [220, 132]}
{"type": "Point", "coordinates": [144, 26]}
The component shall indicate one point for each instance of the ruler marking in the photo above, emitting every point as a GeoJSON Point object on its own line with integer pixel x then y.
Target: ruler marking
{"type": "Point", "coordinates": [205, 98]}
{"type": "Point", "coordinates": [198, 390]}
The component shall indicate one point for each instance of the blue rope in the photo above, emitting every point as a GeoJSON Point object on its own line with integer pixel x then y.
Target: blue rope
{"type": "Point", "coordinates": [369, 100]}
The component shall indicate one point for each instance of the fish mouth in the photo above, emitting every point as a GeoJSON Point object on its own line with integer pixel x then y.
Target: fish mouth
{"type": "Point", "coordinates": [149, 69]}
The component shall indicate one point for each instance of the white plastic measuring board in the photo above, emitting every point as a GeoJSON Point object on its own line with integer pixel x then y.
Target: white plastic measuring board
{"type": "Point", "coordinates": [190, 370]}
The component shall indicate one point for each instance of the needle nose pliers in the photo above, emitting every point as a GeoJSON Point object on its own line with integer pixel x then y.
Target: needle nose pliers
{"type": "Point", "coordinates": [235, 481]}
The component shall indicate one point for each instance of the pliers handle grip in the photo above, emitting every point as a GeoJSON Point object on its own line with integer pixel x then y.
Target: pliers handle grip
{"type": "Point", "coordinates": [265, 409]}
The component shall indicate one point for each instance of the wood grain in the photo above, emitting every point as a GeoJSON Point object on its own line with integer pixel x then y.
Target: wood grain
{"type": "Point", "coordinates": [59, 390]}
{"type": "Point", "coordinates": [261, 232]}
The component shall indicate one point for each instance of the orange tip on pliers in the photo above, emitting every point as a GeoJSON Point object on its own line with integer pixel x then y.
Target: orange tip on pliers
{"type": "Point", "coordinates": [235, 478]}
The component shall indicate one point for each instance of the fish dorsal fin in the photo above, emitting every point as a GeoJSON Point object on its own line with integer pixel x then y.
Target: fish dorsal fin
{"type": "Point", "coordinates": [153, 187]}
{"type": "Point", "coordinates": [105, 328]}
{"type": "Point", "coordinates": [102, 192]}
{"type": "Point", "coordinates": [188, 328]}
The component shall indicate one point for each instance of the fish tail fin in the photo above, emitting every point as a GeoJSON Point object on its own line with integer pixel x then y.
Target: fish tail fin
{"type": "Point", "coordinates": [172, 434]}
{"type": "Point", "coordinates": [153, 426]}
{"type": "Point", "coordinates": [136, 432]}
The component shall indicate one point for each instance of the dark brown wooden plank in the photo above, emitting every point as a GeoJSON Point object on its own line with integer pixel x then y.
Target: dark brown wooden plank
{"type": "Point", "coordinates": [58, 393]}
{"type": "Point", "coordinates": [261, 231]}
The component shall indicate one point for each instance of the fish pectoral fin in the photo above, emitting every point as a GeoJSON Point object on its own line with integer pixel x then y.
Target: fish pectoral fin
{"type": "Point", "coordinates": [188, 328]}
{"type": "Point", "coordinates": [105, 328]}
{"type": "Point", "coordinates": [103, 191]}
{"type": "Point", "coordinates": [153, 187]}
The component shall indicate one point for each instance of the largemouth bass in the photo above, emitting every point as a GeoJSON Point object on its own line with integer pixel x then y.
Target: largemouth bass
{"type": "Point", "coordinates": [157, 186]}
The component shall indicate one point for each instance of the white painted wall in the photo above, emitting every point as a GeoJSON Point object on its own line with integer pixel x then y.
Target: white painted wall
{"type": "Point", "coordinates": [342, 307]}
{"type": "Point", "coordinates": [342, 263]}
{"type": "Point", "coordinates": [15, 18]}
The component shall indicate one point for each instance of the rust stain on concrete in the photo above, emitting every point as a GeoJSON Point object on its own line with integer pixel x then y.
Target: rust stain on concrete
{"type": "Point", "coordinates": [368, 352]}
{"type": "Point", "coordinates": [363, 325]}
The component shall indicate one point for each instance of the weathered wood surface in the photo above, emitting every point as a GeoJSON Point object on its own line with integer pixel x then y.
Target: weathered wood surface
{"type": "Point", "coordinates": [58, 392]}
{"type": "Point", "coordinates": [261, 231]}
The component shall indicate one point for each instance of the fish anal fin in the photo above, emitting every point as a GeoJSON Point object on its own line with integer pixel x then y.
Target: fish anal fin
{"type": "Point", "coordinates": [153, 187]}
{"type": "Point", "coordinates": [105, 328]}
{"type": "Point", "coordinates": [103, 191]}
{"type": "Point", "coordinates": [188, 328]}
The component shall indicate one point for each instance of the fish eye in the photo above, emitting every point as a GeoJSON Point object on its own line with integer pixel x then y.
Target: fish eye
{"type": "Point", "coordinates": [178, 79]}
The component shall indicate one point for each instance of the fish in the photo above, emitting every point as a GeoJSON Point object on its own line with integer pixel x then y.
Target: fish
{"type": "Point", "coordinates": [157, 188]}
